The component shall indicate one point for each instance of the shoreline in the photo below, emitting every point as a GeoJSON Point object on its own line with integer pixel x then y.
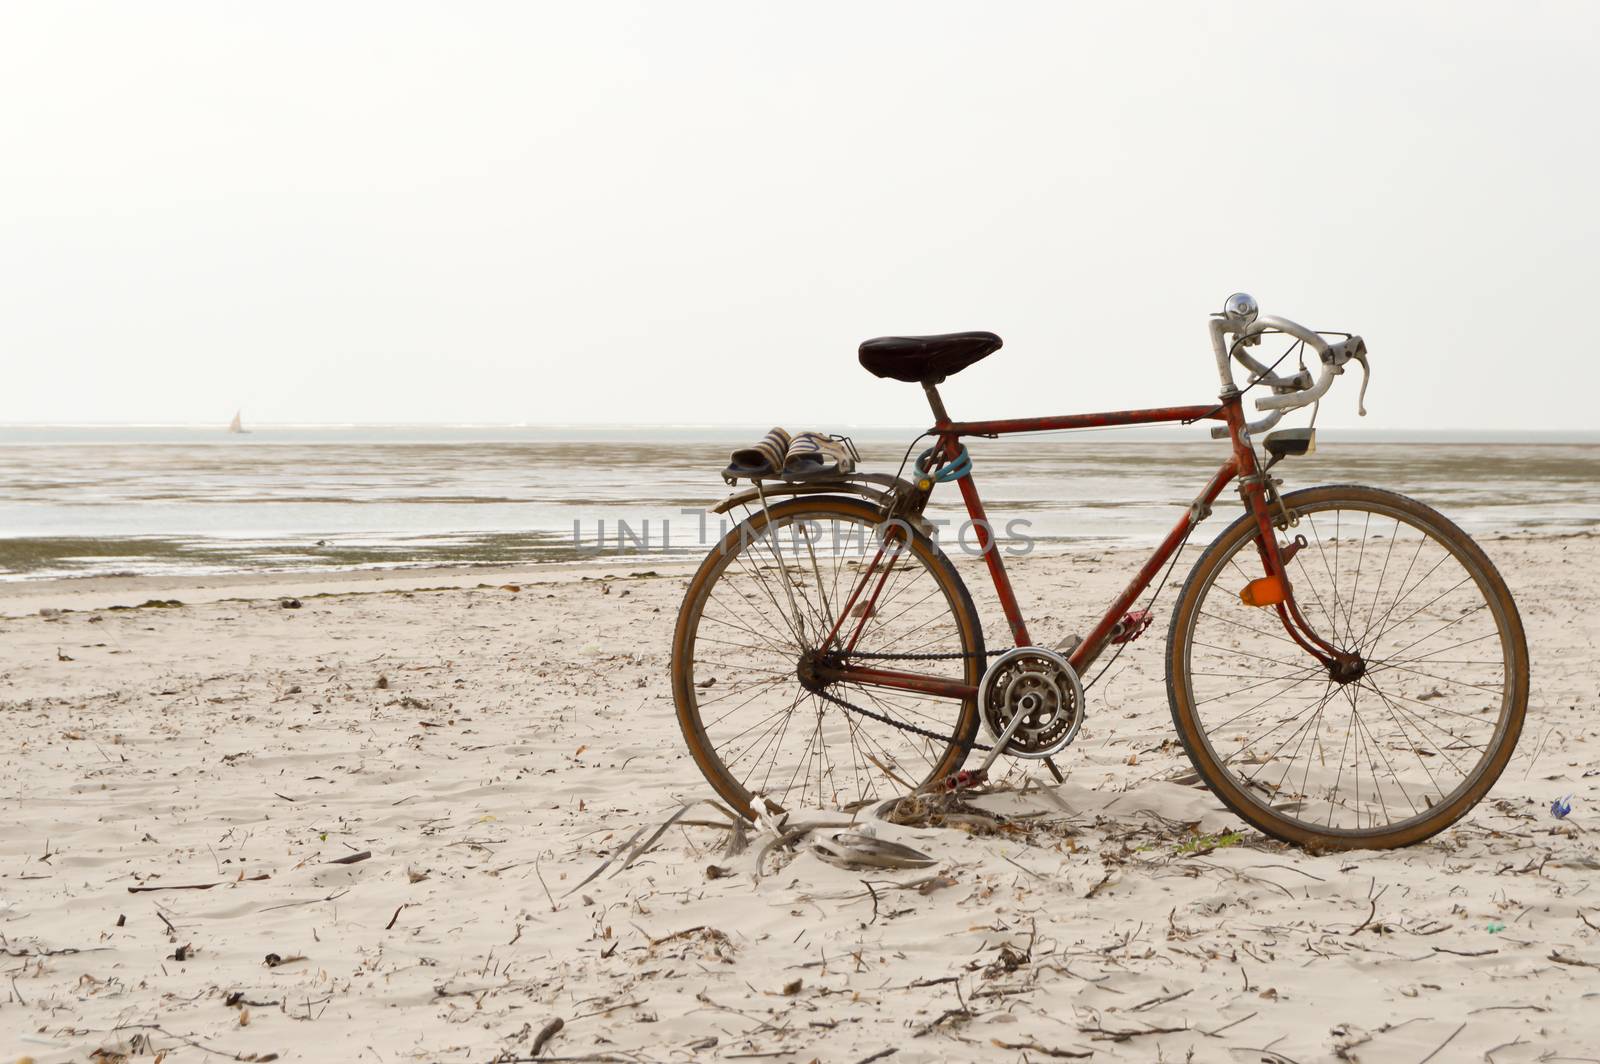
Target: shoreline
{"type": "Point", "coordinates": [23, 597]}
{"type": "Point", "coordinates": [19, 598]}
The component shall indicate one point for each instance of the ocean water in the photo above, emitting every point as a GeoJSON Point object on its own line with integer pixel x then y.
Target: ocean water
{"type": "Point", "coordinates": [84, 501]}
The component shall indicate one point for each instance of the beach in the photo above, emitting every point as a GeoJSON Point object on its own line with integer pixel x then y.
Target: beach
{"type": "Point", "coordinates": [354, 816]}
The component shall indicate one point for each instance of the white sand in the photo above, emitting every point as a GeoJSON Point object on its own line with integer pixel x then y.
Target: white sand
{"type": "Point", "coordinates": [523, 736]}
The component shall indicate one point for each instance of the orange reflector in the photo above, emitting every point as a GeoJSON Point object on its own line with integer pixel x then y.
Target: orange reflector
{"type": "Point", "coordinates": [1268, 591]}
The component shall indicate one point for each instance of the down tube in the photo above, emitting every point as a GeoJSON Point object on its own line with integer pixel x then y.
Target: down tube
{"type": "Point", "coordinates": [1090, 648]}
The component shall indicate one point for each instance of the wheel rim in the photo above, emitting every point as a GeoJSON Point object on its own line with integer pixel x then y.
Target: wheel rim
{"type": "Point", "coordinates": [1398, 746]}
{"type": "Point", "coordinates": [757, 716]}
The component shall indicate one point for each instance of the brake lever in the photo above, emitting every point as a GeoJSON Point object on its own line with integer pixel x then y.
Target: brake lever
{"type": "Point", "coordinates": [1366, 375]}
{"type": "Point", "coordinates": [1352, 349]}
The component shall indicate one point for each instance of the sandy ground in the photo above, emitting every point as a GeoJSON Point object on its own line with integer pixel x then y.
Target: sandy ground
{"type": "Point", "coordinates": [482, 750]}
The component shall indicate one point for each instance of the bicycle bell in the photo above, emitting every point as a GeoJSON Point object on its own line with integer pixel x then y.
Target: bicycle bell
{"type": "Point", "coordinates": [1241, 309]}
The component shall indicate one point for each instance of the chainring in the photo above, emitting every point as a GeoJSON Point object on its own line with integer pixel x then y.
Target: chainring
{"type": "Point", "coordinates": [1041, 685]}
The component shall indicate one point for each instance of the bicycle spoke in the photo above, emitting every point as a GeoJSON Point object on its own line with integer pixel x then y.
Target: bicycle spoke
{"type": "Point", "coordinates": [1309, 674]}
{"type": "Point", "coordinates": [1321, 700]}
{"type": "Point", "coordinates": [1247, 654]}
{"type": "Point", "coordinates": [1251, 629]}
{"type": "Point", "coordinates": [1355, 580]}
{"type": "Point", "coordinates": [753, 567]}
{"type": "Point", "coordinates": [1433, 676]}
{"type": "Point", "coordinates": [801, 763]}
{"type": "Point", "coordinates": [780, 723]}
{"type": "Point", "coordinates": [1332, 581]}
{"type": "Point", "coordinates": [1436, 631]}
{"type": "Point", "coordinates": [1401, 718]}
{"type": "Point", "coordinates": [1407, 618]}
{"type": "Point", "coordinates": [1383, 625]}
{"type": "Point", "coordinates": [1429, 657]}
{"type": "Point", "coordinates": [733, 619]}
{"type": "Point", "coordinates": [773, 545]}
{"type": "Point", "coordinates": [1388, 553]}
{"type": "Point", "coordinates": [735, 709]}
{"type": "Point", "coordinates": [1431, 708]}
{"type": "Point", "coordinates": [1415, 750]}
{"type": "Point", "coordinates": [755, 572]}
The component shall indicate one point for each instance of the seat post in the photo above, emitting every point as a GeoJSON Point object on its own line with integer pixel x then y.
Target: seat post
{"type": "Point", "coordinates": [930, 389]}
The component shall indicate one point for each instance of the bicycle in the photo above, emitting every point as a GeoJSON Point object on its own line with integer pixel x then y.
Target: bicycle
{"type": "Point", "coordinates": [1359, 682]}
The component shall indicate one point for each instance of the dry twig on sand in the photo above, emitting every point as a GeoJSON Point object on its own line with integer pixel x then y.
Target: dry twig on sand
{"type": "Point", "coordinates": [547, 1032]}
{"type": "Point", "coordinates": [1035, 1047]}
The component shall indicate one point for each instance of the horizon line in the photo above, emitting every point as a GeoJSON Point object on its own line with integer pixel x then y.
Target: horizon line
{"type": "Point", "coordinates": [612, 426]}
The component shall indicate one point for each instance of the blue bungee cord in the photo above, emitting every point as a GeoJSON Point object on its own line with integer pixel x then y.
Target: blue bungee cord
{"type": "Point", "coordinates": [955, 469]}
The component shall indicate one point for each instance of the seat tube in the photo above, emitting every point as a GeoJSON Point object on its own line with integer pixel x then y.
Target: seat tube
{"type": "Point", "coordinates": [991, 552]}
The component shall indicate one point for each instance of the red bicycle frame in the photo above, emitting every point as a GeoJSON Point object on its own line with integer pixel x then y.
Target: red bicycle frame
{"type": "Point", "coordinates": [1241, 465]}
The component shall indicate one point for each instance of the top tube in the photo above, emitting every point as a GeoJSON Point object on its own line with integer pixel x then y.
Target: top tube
{"type": "Point", "coordinates": [1151, 416]}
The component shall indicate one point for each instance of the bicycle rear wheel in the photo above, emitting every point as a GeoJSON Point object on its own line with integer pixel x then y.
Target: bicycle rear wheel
{"type": "Point", "coordinates": [1395, 753]}
{"type": "Point", "coordinates": [767, 595]}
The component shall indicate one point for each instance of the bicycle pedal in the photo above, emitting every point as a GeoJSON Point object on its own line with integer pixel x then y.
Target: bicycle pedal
{"type": "Point", "coordinates": [1131, 626]}
{"type": "Point", "coordinates": [965, 780]}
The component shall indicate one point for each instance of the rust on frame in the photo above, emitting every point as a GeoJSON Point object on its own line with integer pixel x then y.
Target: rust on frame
{"type": "Point", "coordinates": [1150, 416]}
{"type": "Point", "coordinates": [905, 681]}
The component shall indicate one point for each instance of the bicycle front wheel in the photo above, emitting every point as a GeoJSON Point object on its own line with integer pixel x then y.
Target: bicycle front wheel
{"type": "Point", "coordinates": [762, 604]}
{"type": "Point", "coordinates": [1382, 755]}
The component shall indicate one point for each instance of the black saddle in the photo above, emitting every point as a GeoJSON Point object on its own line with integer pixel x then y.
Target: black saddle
{"type": "Point", "coordinates": [926, 359]}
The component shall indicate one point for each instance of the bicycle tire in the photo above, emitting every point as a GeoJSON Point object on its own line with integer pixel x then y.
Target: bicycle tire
{"type": "Point", "coordinates": [736, 788]}
{"type": "Point", "coordinates": [1281, 811]}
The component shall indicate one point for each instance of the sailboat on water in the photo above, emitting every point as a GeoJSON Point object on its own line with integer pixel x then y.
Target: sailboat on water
{"type": "Point", "coordinates": [235, 428]}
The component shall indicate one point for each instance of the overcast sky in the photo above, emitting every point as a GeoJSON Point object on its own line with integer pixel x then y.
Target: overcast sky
{"type": "Point", "coordinates": [693, 212]}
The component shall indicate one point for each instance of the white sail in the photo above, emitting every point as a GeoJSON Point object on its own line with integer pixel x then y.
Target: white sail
{"type": "Point", "coordinates": [235, 425]}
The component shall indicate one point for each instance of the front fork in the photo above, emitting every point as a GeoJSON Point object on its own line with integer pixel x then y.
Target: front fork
{"type": "Point", "coordinates": [1261, 499]}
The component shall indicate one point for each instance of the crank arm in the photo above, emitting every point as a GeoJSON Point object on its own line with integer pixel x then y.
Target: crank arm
{"type": "Point", "coordinates": [1001, 743]}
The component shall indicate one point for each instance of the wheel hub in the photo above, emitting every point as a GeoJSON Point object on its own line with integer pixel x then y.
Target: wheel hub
{"type": "Point", "coordinates": [1347, 669]}
{"type": "Point", "coordinates": [806, 671]}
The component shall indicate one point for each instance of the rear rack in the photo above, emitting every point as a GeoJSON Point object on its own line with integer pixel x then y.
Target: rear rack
{"type": "Point", "coordinates": [878, 487]}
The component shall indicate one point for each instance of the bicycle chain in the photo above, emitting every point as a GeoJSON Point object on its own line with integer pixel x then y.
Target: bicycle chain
{"type": "Point", "coordinates": [967, 744]}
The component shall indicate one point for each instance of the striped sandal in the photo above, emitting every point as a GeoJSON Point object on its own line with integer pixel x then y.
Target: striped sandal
{"type": "Point", "coordinates": [814, 454]}
{"type": "Point", "coordinates": [765, 459]}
